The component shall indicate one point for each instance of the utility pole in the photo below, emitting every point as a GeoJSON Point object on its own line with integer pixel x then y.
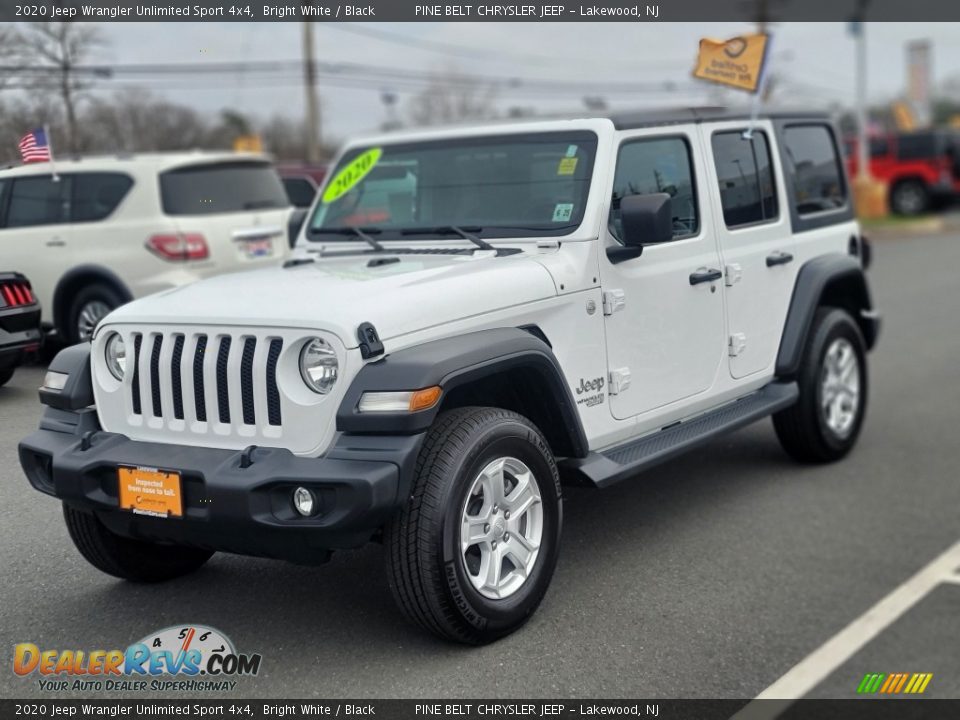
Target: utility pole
{"type": "Point", "coordinates": [310, 95]}
{"type": "Point", "coordinates": [858, 29]}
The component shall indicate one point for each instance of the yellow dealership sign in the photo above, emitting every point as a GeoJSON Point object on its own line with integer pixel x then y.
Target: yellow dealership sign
{"type": "Point", "coordinates": [247, 143]}
{"type": "Point", "coordinates": [903, 116]}
{"type": "Point", "coordinates": [737, 62]}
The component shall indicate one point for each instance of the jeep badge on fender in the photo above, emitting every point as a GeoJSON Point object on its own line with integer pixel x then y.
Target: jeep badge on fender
{"type": "Point", "coordinates": [427, 339]}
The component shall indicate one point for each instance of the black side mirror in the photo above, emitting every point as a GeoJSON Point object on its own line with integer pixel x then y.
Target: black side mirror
{"type": "Point", "coordinates": [646, 220]}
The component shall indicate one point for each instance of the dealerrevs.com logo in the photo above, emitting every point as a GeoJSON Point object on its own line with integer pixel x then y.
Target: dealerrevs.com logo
{"type": "Point", "coordinates": [177, 658]}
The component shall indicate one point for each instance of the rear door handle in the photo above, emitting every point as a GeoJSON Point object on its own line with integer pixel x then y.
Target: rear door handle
{"type": "Point", "coordinates": [705, 275]}
{"type": "Point", "coordinates": [779, 258]}
{"type": "Point", "coordinates": [55, 242]}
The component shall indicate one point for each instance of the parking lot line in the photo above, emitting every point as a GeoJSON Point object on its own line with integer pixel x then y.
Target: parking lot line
{"type": "Point", "coordinates": [818, 665]}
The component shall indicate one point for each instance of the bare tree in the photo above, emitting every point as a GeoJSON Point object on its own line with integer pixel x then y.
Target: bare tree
{"type": "Point", "coordinates": [137, 121]}
{"type": "Point", "coordinates": [59, 47]}
{"type": "Point", "coordinates": [453, 97]}
{"type": "Point", "coordinates": [11, 56]}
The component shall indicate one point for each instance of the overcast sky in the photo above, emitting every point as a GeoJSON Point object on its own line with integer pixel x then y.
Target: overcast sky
{"type": "Point", "coordinates": [814, 60]}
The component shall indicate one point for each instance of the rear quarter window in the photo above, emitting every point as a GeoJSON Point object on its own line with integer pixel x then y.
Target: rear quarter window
{"type": "Point", "coordinates": [225, 187]}
{"type": "Point", "coordinates": [920, 146]}
{"type": "Point", "coordinates": [300, 191]}
{"type": "Point", "coordinates": [815, 169]}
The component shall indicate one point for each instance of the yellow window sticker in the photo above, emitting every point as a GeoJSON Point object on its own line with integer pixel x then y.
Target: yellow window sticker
{"type": "Point", "coordinates": [567, 166]}
{"type": "Point", "coordinates": [355, 171]}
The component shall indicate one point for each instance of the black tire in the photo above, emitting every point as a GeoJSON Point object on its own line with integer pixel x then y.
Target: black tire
{"type": "Point", "coordinates": [425, 567]}
{"type": "Point", "coordinates": [909, 197]}
{"type": "Point", "coordinates": [803, 429]}
{"type": "Point", "coordinates": [6, 374]}
{"type": "Point", "coordinates": [128, 559]}
{"type": "Point", "coordinates": [97, 293]}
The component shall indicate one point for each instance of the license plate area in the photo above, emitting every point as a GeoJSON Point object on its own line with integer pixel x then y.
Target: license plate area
{"type": "Point", "coordinates": [256, 248]}
{"type": "Point", "coordinates": [149, 491]}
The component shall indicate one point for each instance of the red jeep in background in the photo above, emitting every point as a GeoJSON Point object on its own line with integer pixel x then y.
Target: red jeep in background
{"type": "Point", "coordinates": [920, 168]}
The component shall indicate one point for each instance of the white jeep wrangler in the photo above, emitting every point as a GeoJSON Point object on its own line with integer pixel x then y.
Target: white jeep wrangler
{"type": "Point", "coordinates": [471, 316]}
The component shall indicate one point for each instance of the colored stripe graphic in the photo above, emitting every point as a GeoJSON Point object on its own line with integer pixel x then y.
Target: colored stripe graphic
{"type": "Point", "coordinates": [894, 683]}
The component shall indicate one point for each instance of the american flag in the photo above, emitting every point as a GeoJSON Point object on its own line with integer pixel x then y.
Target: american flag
{"type": "Point", "coordinates": [34, 146]}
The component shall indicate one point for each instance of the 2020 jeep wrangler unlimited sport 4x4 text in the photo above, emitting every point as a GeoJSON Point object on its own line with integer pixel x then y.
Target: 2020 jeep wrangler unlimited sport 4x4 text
{"type": "Point", "coordinates": [469, 317]}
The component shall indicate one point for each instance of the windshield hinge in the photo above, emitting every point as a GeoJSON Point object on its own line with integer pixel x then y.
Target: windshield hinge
{"type": "Point", "coordinates": [548, 245]}
{"type": "Point", "coordinates": [370, 344]}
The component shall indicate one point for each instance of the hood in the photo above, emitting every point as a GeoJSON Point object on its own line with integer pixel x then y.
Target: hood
{"type": "Point", "coordinates": [403, 295]}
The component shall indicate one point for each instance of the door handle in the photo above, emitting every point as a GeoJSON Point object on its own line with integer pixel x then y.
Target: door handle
{"type": "Point", "coordinates": [779, 258]}
{"type": "Point", "coordinates": [56, 242]}
{"type": "Point", "coordinates": [705, 275]}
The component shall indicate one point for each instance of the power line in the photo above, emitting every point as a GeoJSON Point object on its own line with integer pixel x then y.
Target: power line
{"type": "Point", "coordinates": [382, 74]}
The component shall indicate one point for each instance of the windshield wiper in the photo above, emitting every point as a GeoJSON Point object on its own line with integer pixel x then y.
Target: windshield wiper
{"type": "Point", "coordinates": [362, 233]}
{"type": "Point", "coordinates": [447, 230]}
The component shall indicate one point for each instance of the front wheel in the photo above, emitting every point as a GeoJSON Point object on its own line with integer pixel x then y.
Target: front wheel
{"type": "Point", "coordinates": [126, 558]}
{"type": "Point", "coordinates": [471, 553]}
{"type": "Point", "coordinates": [823, 425]}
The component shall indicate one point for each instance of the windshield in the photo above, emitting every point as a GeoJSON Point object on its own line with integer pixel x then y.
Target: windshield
{"type": "Point", "coordinates": [497, 186]}
{"type": "Point", "coordinates": [222, 187]}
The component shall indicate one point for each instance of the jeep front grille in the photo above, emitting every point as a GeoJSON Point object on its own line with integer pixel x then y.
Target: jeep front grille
{"type": "Point", "coordinates": [233, 379]}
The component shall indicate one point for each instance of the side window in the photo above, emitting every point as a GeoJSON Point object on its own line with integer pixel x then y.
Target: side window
{"type": "Point", "coordinates": [879, 147]}
{"type": "Point", "coordinates": [657, 165]}
{"type": "Point", "coordinates": [918, 146]}
{"type": "Point", "coordinates": [745, 176]}
{"type": "Point", "coordinates": [814, 165]}
{"type": "Point", "coordinates": [38, 200]}
{"type": "Point", "coordinates": [96, 195]}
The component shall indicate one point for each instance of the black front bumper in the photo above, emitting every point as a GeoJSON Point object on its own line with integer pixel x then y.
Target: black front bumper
{"type": "Point", "coordinates": [229, 505]}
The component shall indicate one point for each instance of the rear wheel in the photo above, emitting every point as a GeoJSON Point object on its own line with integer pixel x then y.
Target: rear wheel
{"type": "Point", "coordinates": [129, 559]}
{"type": "Point", "coordinates": [472, 553]}
{"type": "Point", "coordinates": [824, 423]}
{"type": "Point", "coordinates": [6, 374]}
{"type": "Point", "coordinates": [909, 197]}
{"type": "Point", "coordinates": [89, 307]}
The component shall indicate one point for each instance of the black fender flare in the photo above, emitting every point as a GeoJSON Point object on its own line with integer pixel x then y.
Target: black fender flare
{"type": "Point", "coordinates": [101, 273]}
{"type": "Point", "coordinates": [833, 278]}
{"type": "Point", "coordinates": [450, 363]}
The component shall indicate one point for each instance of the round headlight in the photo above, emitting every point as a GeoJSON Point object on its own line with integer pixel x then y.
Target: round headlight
{"type": "Point", "coordinates": [116, 353]}
{"type": "Point", "coordinates": [319, 366]}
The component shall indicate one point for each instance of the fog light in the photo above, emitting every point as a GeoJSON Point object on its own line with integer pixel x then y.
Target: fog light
{"type": "Point", "coordinates": [303, 501]}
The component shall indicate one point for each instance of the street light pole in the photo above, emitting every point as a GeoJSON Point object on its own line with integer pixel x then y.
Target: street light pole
{"type": "Point", "coordinates": [310, 95]}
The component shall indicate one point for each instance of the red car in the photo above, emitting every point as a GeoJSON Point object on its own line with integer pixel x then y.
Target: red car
{"type": "Point", "coordinates": [19, 322]}
{"type": "Point", "coordinates": [920, 168]}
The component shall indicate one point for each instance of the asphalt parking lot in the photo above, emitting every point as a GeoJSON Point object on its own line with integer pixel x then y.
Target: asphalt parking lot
{"type": "Point", "coordinates": [711, 576]}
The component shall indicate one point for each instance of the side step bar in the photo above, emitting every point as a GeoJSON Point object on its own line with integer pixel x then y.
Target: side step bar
{"type": "Point", "coordinates": [620, 462]}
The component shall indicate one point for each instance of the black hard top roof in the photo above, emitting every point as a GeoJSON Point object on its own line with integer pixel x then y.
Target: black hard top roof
{"type": "Point", "coordinates": [675, 116]}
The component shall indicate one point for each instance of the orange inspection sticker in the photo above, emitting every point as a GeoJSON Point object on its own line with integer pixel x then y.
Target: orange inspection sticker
{"type": "Point", "coordinates": [148, 491]}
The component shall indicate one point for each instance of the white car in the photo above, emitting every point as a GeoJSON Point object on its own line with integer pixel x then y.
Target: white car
{"type": "Point", "coordinates": [105, 230]}
{"type": "Point", "coordinates": [471, 316]}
